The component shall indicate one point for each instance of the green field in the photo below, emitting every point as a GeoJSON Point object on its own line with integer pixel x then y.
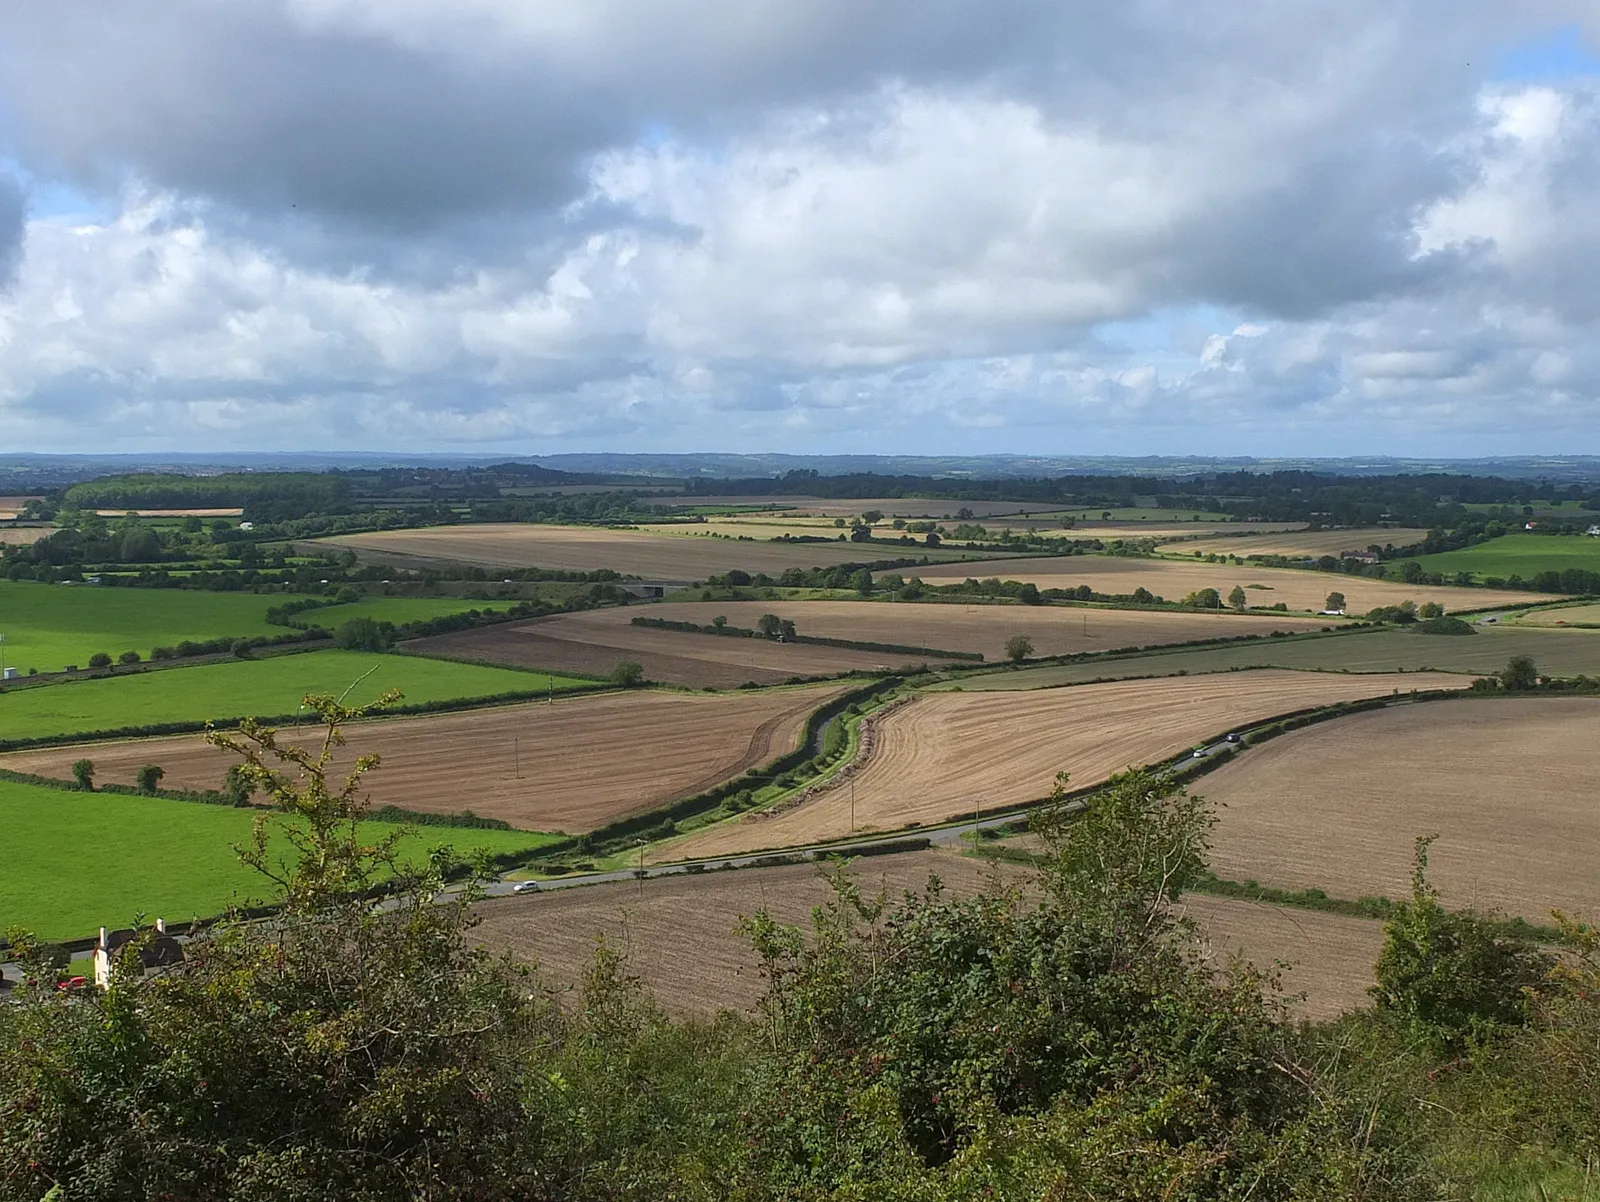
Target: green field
{"type": "Point", "coordinates": [48, 626]}
{"type": "Point", "coordinates": [1558, 652]}
{"type": "Point", "coordinates": [398, 610]}
{"type": "Point", "coordinates": [75, 862]}
{"type": "Point", "coordinates": [1524, 555]}
{"type": "Point", "coordinates": [1563, 615]}
{"type": "Point", "coordinates": [263, 687]}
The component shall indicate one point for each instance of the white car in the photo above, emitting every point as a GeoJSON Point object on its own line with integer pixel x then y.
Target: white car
{"type": "Point", "coordinates": [525, 887]}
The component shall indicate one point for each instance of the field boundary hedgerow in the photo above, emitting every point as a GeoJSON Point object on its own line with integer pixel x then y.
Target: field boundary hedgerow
{"type": "Point", "coordinates": [741, 632]}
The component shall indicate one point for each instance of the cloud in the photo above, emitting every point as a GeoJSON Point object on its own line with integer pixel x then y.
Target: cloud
{"type": "Point", "coordinates": [344, 222]}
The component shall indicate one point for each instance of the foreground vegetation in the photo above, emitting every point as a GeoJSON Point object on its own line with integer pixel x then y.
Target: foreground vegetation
{"type": "Point", "coordinates": [1067, 1042]}
{"type": "Point", "coordinates": [266, 688]}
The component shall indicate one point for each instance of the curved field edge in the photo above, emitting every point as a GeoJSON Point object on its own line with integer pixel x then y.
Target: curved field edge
{"type": "Point", "coordinates": [744, 834]}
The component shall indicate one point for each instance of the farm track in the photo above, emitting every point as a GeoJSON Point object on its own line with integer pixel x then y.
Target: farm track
{"type": "Point", "coordinates": [584, 761]}
{"type": "Point", "coordinates": [949, 754]}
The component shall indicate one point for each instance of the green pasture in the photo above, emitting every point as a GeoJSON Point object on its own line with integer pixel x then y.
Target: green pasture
{"type": "Point", "coordinates": [399, 610]}
{"type": "Point", "coordinates": [1561, 615]}
{"type": "Point", "coordinates": [48, 626]}
{"type": "Point", "coordinates": [1556, 652]}
{"type": "Point", "coordinates": [262, 687]}
{"type": "Point", "coordinates": [1524, 555]}
{"type": "Point", "coordinates": [75, 862]}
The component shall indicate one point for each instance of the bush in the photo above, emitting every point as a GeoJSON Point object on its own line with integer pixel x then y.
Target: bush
{"type": "Point", "coordinates": [364, 634]}
{"type": "Point", "coordinates": [99, 660]}
{"type": "Point", "coordinates": [128, 657]}
{"type": "Point", "coordinates": [83, 773]}
{"type": "Point", "coordinates": [149, 778]}
{"type": "Point", "coordinates": [1443, 625]}
{"type": "Point", "coordinates": [628, 673]}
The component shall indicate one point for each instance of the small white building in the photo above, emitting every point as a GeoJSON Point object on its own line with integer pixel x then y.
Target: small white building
{"type": "Point", "coordinates": [1594, 531]}
{"type": "Point", "coordinates": [161, 951]}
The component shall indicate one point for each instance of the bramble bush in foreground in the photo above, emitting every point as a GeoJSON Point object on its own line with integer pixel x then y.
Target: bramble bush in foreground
{"type": "Point", "coordinates": [1062, 1038]}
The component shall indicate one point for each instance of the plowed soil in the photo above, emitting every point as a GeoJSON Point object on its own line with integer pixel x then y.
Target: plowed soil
{"type": "Point", "coordinates": [1508, 785]}
{"type": "Point", "coordinates": [681, 934]}
{"type": "Point", "coordinates": [675, 557]}
{"type": "Point", "coordinates": [1053, 630]}
{"type": "Point", "coordinates": [593, 644]}
{"type": "Point", "coordinates": [584, 761]}
{"type": "Point", "coordinates": [946, 755]}
{"type": "Point", "coordinates": [1173, 579]}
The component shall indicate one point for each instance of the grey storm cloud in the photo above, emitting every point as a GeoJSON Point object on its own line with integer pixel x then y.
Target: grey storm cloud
{"type": "Point", "coordinates": [406, 222]}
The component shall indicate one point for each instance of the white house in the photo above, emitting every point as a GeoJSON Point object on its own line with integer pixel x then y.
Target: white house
{"type": "Point", "coordinates": [161, 951]}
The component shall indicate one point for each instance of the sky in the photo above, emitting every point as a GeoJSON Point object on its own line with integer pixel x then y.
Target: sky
{"type": "Point", "coordinates": [1341, 227]}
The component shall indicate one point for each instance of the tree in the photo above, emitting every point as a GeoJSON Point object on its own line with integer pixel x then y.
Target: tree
{"type": "Point", "coordinates": [83, 773]}
{"type": "Point", "coordinates": [1206, 598]}
{"type": "Point", "coordinates": [719, 622]}
{"type": "Point", "coordinates": [237, 786]}
{"type": "Point", "coordinates": [1519, 675]}
{"type": "Point", "coordinates": [1335, 602]}
{"type": "Point", "coordinates": [364, 634]}
{"type": "Point", "coordinates": [769, 625]}
{"type": "Point", "coordinates": [128, 657]}
{"type": "Point", "coordinates": [1448, 972]}
{"type": "Point", "coordinates": [149, 778]}
{"type": "Point", "coordinates": [1238, 598]}
{"type": "Point", "coordinates": [861, 581]}
{"type": "Point", "coordinates": [933, 539]}
{"type": "Point", "coordinates": [1018, 648]}
{"type": "Point", "coordinates": [99, 660]}
{"type": "Point", "coordinates": [628, 673]}
{"type": "Point", "coordinates": [872, 517]}
{"type": "Point", "coordinates": [1430, 609]}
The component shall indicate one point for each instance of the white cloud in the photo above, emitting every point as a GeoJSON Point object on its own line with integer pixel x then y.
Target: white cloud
{"type": "Point", "coordinates": [903, 226]}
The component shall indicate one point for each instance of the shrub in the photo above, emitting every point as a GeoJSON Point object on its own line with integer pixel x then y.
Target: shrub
{"type": "Point", "coordinates": [99, 660]}
{"type": "Point", "coordinates": [628, 673]}
{"type": "Point", "coordinates": [128, 657]}
{"type": "Point", "coordinates": [83, 773]}
{"type": "Point", "coordinates": [149, 778]}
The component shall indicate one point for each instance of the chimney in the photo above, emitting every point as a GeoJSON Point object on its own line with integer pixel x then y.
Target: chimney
{"type": "Point", "coordinates": [102, 938]}
{"type": "Point", "coordinates": [161, 926]}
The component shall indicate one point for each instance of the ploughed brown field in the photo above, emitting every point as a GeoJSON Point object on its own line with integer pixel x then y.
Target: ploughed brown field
{"type": "Point", "coordinates": [594, 642]}
{"type": "Point", "coordinates": [1299, 589]}
{"type": "Point", "coordinates": [682, 934]}
{"type": "Point", "coordinates": [584, 761]}
{"type": "Point", "coordinates": [653, 556]}
{"type": "Point", "coordinates": [1508, 784]}
{"type": "Point", "coordinates": [950, 626]}
{"type": "Point", "coordinates": [1304, 542]}
{"type": "Point", "coordinates": [943, 756]}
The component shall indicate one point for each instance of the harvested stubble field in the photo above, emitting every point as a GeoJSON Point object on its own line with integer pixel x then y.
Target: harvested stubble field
{"type": "Point", "coordinates": [1169, 528]}
{"type": "Point", "coordinates": [1566, 615]}
{"type": "Point", "coordinates": [891, 507]}
{"type": "Point", "coordinates": [1508, 785]}
{"type": "Point", "coordinates": [631, 552]}
{"type": "Point", "coordinates": [1556, 652]}
{"type": "Point", "coordinates": [1304, 542]}
{"type": "Point", "coordinates": [1303, 590]}
{"type": "Point", "coordinates": [950, 626]}
{"type": "Point", "coordinates": [945, 755]}
{"type": "Point", "coordinates": [682, 934]}
{"type": "Point", "coordinates": [595, 641]}
{"type": "Point", "coordinates": [22, 536]}
{"type": "Point", "coordinates": [584, 761]}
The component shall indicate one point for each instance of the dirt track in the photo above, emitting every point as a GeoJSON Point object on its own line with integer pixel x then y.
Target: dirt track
{"type": "Point", "coordinates": [1173, 579]}
{"type": "Point", "coordinates": [682, 936]}
{"type": "Point", "coordinates": [1509, 786]}
{"type": "Point", "coordinates": [946, 755]}
{"type": "Point", "coordinates": [585, 761]}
